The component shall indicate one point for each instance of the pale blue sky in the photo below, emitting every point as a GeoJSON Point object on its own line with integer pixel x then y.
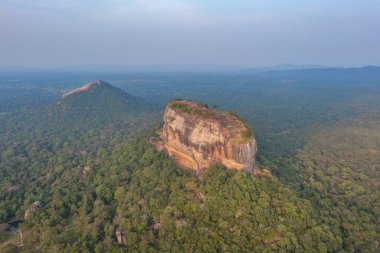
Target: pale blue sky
{"type": "Point", "coordinates": [53, 33]}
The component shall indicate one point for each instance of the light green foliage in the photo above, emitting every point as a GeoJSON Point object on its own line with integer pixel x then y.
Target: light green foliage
{"type": "Point", "coordinates": [181, 107]}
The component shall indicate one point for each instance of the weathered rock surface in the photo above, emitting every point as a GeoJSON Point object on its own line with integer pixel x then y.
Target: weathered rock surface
{"type": "Point", "coordinates": [32, 209]}
{"type": "Point", "coordinates": [120, 236]}
{"type": "Point", "coordinates": [199, 137]}
{"type": "Point", "coordinates": [86, 88]}
{"type": "Point", "coordinates": [86, 170]}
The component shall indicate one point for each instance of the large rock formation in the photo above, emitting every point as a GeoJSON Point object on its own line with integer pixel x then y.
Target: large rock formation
{"type": "Point", "coordinates": [199, 137]}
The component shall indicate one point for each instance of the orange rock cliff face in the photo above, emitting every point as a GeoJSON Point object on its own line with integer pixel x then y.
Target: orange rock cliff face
{"type": "Point", "coordinates": [199, 137]}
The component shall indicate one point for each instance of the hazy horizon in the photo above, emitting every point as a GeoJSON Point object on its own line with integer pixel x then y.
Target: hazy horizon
{"type": "Point", "coordinates": [249, 34]}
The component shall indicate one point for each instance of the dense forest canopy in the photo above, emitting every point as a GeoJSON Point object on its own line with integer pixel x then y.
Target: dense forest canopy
{"type": "Point", "coordinates": [88, 160]}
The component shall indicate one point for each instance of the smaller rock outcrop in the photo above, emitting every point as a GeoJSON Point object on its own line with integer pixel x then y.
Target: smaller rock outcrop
{"type": "Point", "coordinates": [264, 172]}
{"type": "Point", "coordinates": [86, 170]}
{"type": "Point", "coordinates": [32, 209]}
{"type": "Point", "coordinates": [86, 88]}
{"type": "Point", "coordinates": [120, 236]}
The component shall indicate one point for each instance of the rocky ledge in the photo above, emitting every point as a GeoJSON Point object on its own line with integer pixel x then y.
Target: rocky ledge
{"type": "Point", "coordinates": [86, 88]}
{"type": "Point", "coordinates": [33, 208]}
{"type": "Point", "coordinates": [199, 137]}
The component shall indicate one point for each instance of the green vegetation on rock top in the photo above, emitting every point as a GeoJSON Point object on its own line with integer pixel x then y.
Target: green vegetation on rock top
{"type": "Point", "coordinates": [203, 110]}
{"type": "Point", "coordinates": [182, 107]}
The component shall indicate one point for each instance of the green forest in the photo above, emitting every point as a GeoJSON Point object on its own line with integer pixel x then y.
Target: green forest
{"type": "Point", "coordinates": [88, 160]}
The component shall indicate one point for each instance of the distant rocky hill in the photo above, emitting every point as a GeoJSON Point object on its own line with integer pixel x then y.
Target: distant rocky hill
{"type": "Point", "coordinates": [90, 87]}
{"type": "Point", "coordinates": [98, 102]}
{"type": "Point", "coordinates": [97, 93]}
{"type": "Point", "coordinates": [97, 106]}
{"type": "Point", "coordinates": [199, 137]}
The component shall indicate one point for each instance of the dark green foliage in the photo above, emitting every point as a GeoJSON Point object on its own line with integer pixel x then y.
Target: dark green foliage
{"type": "Point", "coordinates": [188, 109]}
{"type": "Point", "coordinates": [318, 135]}
{"type": "Point", "coordinates": [38, 146]}
{"type": "Point", "coordinates": [181, 107]}
{"type": "Point", "coordinates": [139, 188]}
{"type": "Point", "coordinates": [340, 166]}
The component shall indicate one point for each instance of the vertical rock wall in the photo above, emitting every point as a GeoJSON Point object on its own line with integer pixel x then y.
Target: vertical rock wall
{"type": "Point", "coordinates": [199, 137]}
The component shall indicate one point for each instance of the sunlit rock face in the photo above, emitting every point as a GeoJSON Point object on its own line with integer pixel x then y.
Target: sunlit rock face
{"type": "Point", "coordinates": [86, 88]}
{"type": "Point", "coordinates": [199, 137]}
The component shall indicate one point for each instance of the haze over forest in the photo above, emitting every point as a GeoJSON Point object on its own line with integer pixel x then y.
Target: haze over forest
{"type": "Point", "coordinates": [189, 126]}
{"type": "Point", "coordinates": [79, 34]}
